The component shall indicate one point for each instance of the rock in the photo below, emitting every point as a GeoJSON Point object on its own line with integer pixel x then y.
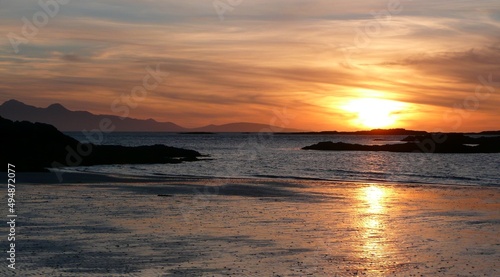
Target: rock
{"type": "Point", "coordinates": [431, 143]}
{"type": "Point", "coordinates": [37, 146]}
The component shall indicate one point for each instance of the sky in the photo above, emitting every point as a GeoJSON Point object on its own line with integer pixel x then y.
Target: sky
{"type": "Point", "coordinates": [304, 64]}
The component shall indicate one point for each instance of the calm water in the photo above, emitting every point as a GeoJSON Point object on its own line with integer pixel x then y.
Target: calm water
{"type": "Point", "coordinates": [279, 156]}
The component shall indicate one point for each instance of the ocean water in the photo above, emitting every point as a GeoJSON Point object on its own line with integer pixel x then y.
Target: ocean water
{"type": "Point", "coordinates": [280, 156]}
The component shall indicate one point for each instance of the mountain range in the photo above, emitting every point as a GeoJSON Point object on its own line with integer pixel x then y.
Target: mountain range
{"type": "Point", "coordinates": [67, 120]}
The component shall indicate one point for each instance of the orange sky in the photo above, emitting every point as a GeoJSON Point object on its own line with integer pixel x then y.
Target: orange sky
{"type": "Point", "coordinates": [439, 62]}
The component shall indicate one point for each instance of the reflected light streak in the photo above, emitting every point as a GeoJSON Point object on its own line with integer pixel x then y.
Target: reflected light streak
{"type": "Point", "coordinates": [374, 197]}
{"type": "Point", "coordinates": [374, 234]}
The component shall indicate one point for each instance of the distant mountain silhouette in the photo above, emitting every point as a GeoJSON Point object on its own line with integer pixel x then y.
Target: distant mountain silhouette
{"type": "Point", "coordinates": [66, 120]}
{"type": "Point", "coordinates": [373, 132]}
{"type": "Point", "coordinates": [241, 127]}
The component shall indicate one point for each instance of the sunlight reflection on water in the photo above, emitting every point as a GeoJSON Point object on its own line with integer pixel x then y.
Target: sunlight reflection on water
{"type": "Point", "coordinates": [374, 198]}
{"type": "Point", "coordinates": [244, 155]}
{"type": "Point", "coordinates": [374, 234]}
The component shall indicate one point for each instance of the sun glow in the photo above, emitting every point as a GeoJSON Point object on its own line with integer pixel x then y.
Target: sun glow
{"type": "Point", "coordinates": [374, 112]}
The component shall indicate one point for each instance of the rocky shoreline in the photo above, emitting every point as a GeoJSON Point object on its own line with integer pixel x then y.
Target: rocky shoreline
{"type": "Point", "coordinates": [430, 143]}
{"type": "Point", "coordinates": [37, 146]}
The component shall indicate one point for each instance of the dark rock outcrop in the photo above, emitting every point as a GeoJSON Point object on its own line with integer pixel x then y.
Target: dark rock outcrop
{"type": "Point", "coordinates": [431, 143]}
{"type": "Point", "coordinates": [37, 146]}
{"type": "Point", "coordinates": [496, 133]}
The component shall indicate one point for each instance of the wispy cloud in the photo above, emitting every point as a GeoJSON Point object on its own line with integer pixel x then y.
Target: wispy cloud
{"type": "Point", "coordinates": [264, 54]}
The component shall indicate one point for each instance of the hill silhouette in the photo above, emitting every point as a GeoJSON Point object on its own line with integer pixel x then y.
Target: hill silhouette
{"type": "Point", "coordinates": [67, 120]}
{"type": "Point", "coordinates": [241, 127]}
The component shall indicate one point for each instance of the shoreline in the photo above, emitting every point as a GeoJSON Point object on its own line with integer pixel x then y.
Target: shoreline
{"type": "Point", "coordinates": [79, 177]}
{"type": "Point", "coordinates": [256, 227]}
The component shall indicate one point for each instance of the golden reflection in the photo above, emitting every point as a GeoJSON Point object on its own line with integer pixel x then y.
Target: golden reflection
{"type": "Point", "coordinates": [371, 223]}
{"type": "Point", "coordinates": [373, 211]}
{"type": "Point", "coordinates": [374, 196]}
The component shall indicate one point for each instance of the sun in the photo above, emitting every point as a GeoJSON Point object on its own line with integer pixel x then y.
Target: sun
{"type": "Point", "coordinates": [374, 112]}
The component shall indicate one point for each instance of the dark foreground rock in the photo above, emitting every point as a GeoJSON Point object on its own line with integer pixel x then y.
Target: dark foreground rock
{"type": "Point", "coordinates": [37, 146]}
{"type": "Point", "coordinates": [431, 143]}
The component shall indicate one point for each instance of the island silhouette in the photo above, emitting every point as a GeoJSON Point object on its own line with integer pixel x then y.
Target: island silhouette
{"type": "Point", "coordinates": [428, 143]}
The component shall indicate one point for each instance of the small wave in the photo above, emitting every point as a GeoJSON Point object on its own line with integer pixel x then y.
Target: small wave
{"type": "Point", "coordinates": [289, 177]}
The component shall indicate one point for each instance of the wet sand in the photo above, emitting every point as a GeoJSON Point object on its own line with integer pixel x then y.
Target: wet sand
{"type": "Point", "coordinates": [243, 227]}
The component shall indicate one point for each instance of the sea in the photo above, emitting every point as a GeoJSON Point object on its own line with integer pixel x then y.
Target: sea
{"type": "Point", "coordinates": [266, 155]}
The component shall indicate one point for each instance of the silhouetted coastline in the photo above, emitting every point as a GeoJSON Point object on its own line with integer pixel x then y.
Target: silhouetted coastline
{"type": "Point", "coordinates": [373, 132]}
{"type": "Point", "coordinates": [197, 133]}
{"type": "Point", "coordinates": [38, 146]}
{"type": "Point", "coordinates": [429, 143]}
{"type": "Point", "coordinates": [64, 120]}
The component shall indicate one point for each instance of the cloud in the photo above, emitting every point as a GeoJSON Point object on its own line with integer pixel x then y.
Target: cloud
{"type": "Point", "coordinates": [265, 54]}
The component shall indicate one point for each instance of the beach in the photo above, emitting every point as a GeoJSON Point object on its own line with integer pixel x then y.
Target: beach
{"type": "Point", "coordinates": [96, 225]}
{"type": "Point", "coordinates": [250, 138]}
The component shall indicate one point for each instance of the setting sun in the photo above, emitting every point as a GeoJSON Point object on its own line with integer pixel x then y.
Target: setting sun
{"type": "Point", "coordinates": [374, 112]}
